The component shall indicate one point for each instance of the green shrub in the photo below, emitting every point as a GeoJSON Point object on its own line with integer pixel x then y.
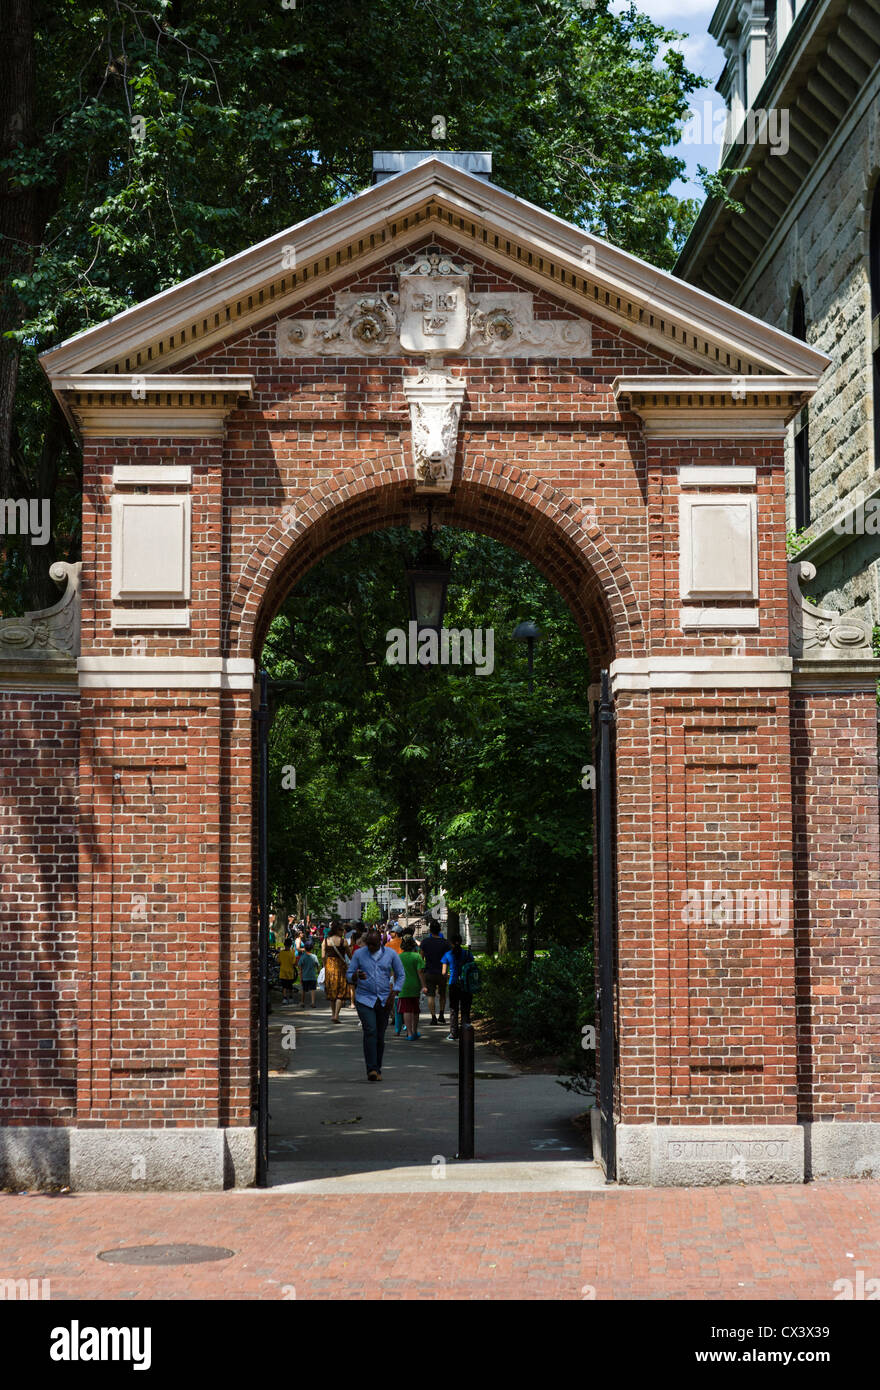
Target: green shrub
{"type": "Point", "coordinates": [542, 1008]}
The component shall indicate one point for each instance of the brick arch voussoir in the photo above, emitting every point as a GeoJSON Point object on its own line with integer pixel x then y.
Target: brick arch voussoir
{"type": "Point", "coordinates": [548, 527]}
{"type": "Point", "coordinates": [605, 583]}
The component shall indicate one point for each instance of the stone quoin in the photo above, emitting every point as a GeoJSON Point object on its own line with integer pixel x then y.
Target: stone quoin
{"type": "Point", "coordinates": [621, 429]}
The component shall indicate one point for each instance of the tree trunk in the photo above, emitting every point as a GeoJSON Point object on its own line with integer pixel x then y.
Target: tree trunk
{"type": "Point", "coordinates": [19, 207]}
{"type": "Point", "coordinates": [491, 945]}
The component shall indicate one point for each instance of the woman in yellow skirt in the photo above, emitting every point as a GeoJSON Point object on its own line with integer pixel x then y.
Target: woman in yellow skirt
{"type": "Point", "coordinates": [334, 954]}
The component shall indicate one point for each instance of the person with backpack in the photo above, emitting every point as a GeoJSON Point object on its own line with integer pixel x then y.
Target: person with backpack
{"type": "Point", "coordinates": [308, 974]}
{"type": "Point", "coordinates": [461, 970]}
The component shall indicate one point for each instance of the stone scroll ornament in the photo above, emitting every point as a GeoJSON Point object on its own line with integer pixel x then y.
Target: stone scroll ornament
{"type": "Point", "coordinates": [48, 632]}
{"type": "Point", "coordinates": [433, 313]}
{"type": "Point", "coordinates": [817, 633]}
{"type": "Point", "coordinates": [434, 399]}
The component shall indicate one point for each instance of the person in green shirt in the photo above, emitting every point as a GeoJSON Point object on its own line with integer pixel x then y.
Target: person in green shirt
{"type": "Point", "coordinates": [413, 986]}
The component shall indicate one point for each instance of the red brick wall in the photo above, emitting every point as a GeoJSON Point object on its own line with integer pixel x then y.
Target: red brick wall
{"type": "Point", "coordinates": [837, 923]}
{"type": "Point", "coordinates": [39, 750]}
{"type": "Point", "coordinates": [706, 1012]}
{"type": "Point", "coordinates": [153, 984]}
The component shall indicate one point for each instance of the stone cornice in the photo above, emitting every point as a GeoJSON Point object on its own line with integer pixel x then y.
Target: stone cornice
{"type": "Point", "coordinates": [835, 675]}
{"type": "Point", "coordinates": [704, 407]}
{"type": "Point", "coordinates": [813, 76]}
{"type": "Point", "coordinates": [136, 404]}
{"type": "Point", "coordinates": [434, 199]}
{"type": "Point", "coordinates": [52, 673]}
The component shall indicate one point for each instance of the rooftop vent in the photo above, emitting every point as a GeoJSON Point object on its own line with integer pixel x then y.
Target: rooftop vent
{"type": "Point", "coordinates": [387, 163]}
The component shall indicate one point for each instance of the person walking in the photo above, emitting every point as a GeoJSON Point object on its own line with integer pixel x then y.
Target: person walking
{"type": "Point", "coordinates": [379, 976]}
{"type": "Point", "coordinates": [334, 953]}
{"type": "Point", "coordinates": [393, 939]}
{"type": "Point", "coordinates": [413, 987]}
{"type": "Point", "coordinates": [287, 971]}
{"type": "Point", "coordinates": [433, 948]}
{"type": "Point", "coordinates": [460, 998]}
{"type": "Point", "coordinates": [308, 974]}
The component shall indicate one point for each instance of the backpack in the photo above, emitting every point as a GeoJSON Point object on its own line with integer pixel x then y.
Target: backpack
{"type": "Point", "coordinates": [469, 977]}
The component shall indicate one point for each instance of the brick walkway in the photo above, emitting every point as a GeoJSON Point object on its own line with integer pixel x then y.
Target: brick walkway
{"type": "Point", "coordinates": [719, 1243]}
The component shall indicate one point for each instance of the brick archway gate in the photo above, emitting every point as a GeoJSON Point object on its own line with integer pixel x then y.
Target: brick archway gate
{"type": "Point", "coordinates": [435, 336]}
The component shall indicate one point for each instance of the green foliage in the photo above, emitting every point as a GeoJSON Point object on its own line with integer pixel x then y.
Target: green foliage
{"type": "Point", "coordinates": [406, 765]}
{"type": "Point", "coordinates": [715, 186]}
{"type": "Point", "coordinates": [371, 913]}
{"type": "Point", "coordinates": [170, 134]}
{"type": "Point", "coordinates": [542, 1007]}
{"type": "Point", "coordinates": [796, 540]}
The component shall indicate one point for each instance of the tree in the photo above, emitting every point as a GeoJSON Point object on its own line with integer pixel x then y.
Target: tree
{"type": "Point", "coordinates": [436, 765]}
{"type": "Point", "coordinates": [170, 134]}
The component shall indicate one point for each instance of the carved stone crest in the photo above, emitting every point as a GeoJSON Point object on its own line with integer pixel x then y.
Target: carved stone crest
{"type": "Point", "coordinates": [435, 399]}
{"type": "Point", "coordinates": [434, 313]}
{"type": "Point", "coordinates": [365, 325]}
{"type": "Point", "coordinates": [433, 304]}
{"type": "Point", "coordinates": [817, 632]}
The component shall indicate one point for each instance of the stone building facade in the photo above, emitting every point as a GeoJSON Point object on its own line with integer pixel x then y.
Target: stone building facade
{"type": "Point", "coordinates": [803, 249]}
{"type": "Point", "coordinates": [435, 337]}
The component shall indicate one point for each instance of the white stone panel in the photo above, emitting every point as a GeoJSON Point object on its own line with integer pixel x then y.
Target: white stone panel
{"type": "Point", "coordinates": [150, 617]}
{"type": "Point", "coordinates": [719, 618]}
{"type": "Point", "coordinates": [134, 474]}
{"type": "Point", "coordinates": [150, 547]}
{"type": "Point", "coordinates": [718, 546]}
{"type": "Point", "coordinates": [717, 475]}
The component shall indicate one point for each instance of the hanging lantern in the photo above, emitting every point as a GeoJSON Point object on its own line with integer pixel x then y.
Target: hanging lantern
{"type": "Point", "coordinates": [427, 578]}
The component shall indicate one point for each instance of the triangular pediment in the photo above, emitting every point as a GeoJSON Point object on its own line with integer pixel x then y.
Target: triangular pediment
{"type": "Point", "coordinates": [434, 199]}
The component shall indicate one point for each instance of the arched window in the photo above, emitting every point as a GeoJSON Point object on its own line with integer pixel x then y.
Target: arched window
{"type": "Point", "coordinates": [801, 429]}
{"type": "Point", "coordinates": [874, 266]}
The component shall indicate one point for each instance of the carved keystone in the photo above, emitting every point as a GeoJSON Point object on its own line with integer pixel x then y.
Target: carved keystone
{"type": "Point", "coordinates": [435, 408]}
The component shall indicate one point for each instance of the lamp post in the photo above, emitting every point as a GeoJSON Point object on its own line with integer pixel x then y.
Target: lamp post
{"type": "Point", "coordinates": [529, 632]}
{"type": "Point", "coordinates": [427, 578]}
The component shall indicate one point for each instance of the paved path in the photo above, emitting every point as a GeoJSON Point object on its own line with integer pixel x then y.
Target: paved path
{"type": "Point", "coordinates": [440, 1240]}
{"type": "Point", "coordinates": [333, 1130]}
{"type": "Point", "coordinates": [618, 1243]}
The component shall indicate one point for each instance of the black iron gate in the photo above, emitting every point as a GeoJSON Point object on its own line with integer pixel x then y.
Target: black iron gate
{"type": "Point", "coordinates": [277, 691]}
{"type": "Point", "coordinates": [261, 721]}
{"type": "Point", "coordinates": [606, 922]}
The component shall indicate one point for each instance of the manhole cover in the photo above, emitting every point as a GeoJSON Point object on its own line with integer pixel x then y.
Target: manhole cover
{"type": "Point", "coordinates": [353, 1121]}
{"type": "Point", "coordinates": [165, 1254]}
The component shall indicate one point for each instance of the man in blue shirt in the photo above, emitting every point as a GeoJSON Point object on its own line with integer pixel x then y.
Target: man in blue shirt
{"type": "Point", "coordinates": [379, 976]}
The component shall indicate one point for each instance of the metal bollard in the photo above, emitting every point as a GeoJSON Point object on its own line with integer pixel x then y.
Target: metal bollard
{"type": "Point", "coordinates": [466, 1092]}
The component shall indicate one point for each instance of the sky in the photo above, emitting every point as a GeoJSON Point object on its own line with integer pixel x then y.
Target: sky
{"type": "Point", "coordinates": [704, 57]}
